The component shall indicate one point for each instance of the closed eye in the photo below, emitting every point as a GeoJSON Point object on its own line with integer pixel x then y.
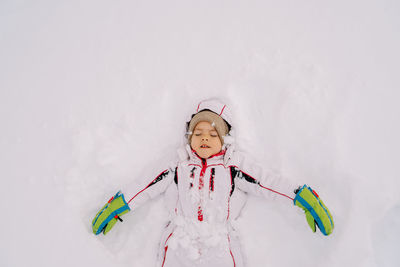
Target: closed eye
{"type": "Point", "coordinates": [211, 135]}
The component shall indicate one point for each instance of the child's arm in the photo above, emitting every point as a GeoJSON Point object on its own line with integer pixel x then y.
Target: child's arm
{"type": "Point", "coordinates": [136, 194]}
{"type": "Point", "coordinates": [139, 193]}
{"type": "Point", "coordinates": [252, 178]}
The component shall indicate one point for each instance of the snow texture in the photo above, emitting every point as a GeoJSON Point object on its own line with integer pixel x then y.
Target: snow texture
{"type": "Point", "coordinates": [94, 94]}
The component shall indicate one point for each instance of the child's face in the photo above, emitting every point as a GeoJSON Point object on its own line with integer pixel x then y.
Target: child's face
{"type": "Point", "coordinates": [205, 140]}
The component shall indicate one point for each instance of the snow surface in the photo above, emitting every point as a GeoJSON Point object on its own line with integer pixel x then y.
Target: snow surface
{"type": "Point", "coordinates": [94, 94]}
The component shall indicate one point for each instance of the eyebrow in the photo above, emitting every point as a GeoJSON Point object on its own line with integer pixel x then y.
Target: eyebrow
{"type": "Point", "coordinates": [201, 129]}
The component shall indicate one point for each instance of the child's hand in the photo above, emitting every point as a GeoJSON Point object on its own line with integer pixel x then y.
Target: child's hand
{"type": "Point", "coordinates": [108, 215]}
{"type": "Point", "coordinates": [316, 211]}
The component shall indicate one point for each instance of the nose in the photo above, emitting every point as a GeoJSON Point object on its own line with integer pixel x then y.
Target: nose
{"type": "Point", "coordinates": [204, 137]}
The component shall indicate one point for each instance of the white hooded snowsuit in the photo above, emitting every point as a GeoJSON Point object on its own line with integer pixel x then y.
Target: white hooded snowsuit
{"type": "Point", "coordinates": [205, 196]}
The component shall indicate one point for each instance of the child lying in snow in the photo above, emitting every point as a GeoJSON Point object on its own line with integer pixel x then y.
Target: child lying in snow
{"type": "Point", "coordinates": [208, 187]}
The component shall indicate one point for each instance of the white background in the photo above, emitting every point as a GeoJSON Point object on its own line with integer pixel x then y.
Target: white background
{"type": "Point", "coordinates": [93, 94]}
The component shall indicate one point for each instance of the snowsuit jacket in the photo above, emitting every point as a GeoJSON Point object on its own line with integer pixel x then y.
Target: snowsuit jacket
{"type": "Point", "coordinates": [204, 197]}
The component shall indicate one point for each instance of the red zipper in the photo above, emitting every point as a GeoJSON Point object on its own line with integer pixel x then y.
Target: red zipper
{"type": "Point", "coordinates": [201, 185]}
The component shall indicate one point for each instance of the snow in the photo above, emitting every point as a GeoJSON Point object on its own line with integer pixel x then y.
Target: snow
{"type": "Point", "coordinates": [94, 94]}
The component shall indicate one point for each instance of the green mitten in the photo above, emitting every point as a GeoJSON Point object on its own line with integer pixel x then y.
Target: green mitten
{"type": "Point", "coordinates": [106, 218]}
{"type": "Point", "coordinates": [315, 210]}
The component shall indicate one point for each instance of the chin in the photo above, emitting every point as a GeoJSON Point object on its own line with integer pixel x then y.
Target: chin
{"type": "Point", "coordinates": [204, 155]}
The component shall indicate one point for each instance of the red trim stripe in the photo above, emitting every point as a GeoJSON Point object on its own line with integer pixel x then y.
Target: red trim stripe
{"type": "Point", "coordinates": [166, 248]}
{"type": "Point", "coordinates": [194, 165]}
{"type": "Point", "coordinates": [264, 186]}
{"type": "Point", "coordinates": [146, 186]}
{"type": "Point", "coordinates": [194, 151]}
{"type": "Point", "coordinates": [222, 152]}
{"type": "Point", "coordinates": [276, 192]}
{"type": "Point", "coordinates": [165, 255]}
{"type": "Point", "coordinates": [222, 110]}
{"type": "Point", "coordinates": [233, 258]}
{"type": "Point", "coordinates": [198, 106]}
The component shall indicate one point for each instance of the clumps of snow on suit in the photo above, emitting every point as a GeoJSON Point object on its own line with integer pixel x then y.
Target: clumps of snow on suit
{"type": "Point", "coordinates": [195, 238]}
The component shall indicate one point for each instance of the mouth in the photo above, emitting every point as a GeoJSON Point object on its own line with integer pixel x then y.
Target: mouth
{"type": "Point", "coordinates": [204, 146]}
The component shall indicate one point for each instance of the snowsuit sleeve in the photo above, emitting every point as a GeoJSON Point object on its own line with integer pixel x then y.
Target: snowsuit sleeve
{"type": "Point", "coordinates": [254, 179]}
{"type": "Point", "coordinates": [139, 192]}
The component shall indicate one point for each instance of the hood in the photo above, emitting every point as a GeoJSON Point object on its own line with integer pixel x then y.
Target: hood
{"type": "Point", "coordinates": [216, 106]}
{"type": "Point", "coordinates": [220, 108]}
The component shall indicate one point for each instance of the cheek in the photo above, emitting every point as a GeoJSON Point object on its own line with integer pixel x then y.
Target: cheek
{"type": "Point", "coordinates": [217, 142]}
{"type": "Point", "coordinates": [194, 141]}
{"type": "Point", "coordinates": [219, 147]}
